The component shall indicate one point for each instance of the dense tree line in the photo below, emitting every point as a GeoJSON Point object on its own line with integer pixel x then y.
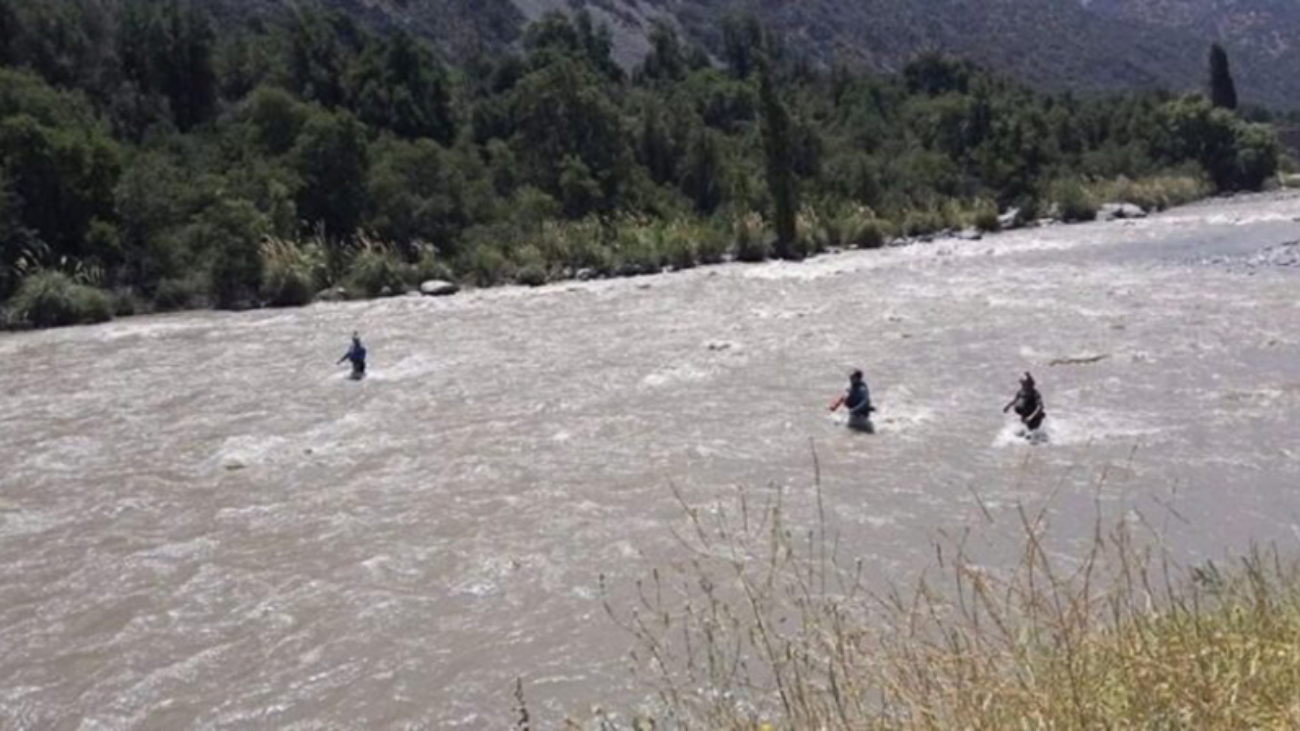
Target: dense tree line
{"type": "Point", "coordinates": [145, 154]}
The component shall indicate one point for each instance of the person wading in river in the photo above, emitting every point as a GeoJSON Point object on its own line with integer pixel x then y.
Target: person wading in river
{"type": "Point", "coordinates": [858, 401]}
{"type": "Point", "coordinates": [357, 355]}
{"type": "Point", "coordinates": [1028, 404]}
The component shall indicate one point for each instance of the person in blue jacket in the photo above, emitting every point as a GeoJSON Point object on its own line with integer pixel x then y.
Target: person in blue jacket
{"type": "Point", "coordinates": [357, 355]}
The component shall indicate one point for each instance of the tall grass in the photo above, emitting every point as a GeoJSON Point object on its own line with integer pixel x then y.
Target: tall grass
{"type": "Point", "coordinates": [1152, 194]}
{"type": "Point", "coordinates": [378, 270]}
{"type": "Point", "coordinates": [752, 237]}
{"type": "Point", "coordinates": [293, 272]}
{"type": "Point", "coordinates": [49, 298]}
{"type": "Point", "coordinates": [763, 625]}
{"type": "Point", "coordinates": [1072, 201]}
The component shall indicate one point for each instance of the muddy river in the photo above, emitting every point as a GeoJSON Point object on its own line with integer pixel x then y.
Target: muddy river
{"type": "Point", "coordinates": [204, 524]}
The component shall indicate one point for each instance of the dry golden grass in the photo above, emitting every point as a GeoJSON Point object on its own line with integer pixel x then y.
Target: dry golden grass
{"type": "Point", "coordinates": [763, 627]}
{"type": "Point", "coordinates": [1153, 193]}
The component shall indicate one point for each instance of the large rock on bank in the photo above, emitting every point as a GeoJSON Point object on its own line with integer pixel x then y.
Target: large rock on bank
{"type": "Point", "coordinates": [438, 288]}
{"type": "Point", "coordinates": [1113, 211]}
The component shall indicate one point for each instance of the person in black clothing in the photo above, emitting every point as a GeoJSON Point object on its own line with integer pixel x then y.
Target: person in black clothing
{"type": "Point", "coordinates": [1028, 404]}
{"type": "Point", "coordinates": [858, 401]}
{"type": "Point", "coordinates": [357, 355]}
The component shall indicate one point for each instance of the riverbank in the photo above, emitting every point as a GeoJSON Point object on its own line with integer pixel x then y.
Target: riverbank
{"type": "Point", "coordinates": [297, 273]}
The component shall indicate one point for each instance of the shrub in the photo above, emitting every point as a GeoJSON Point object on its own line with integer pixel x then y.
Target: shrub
{"type": "Point", "coordinates": [530, 267]}
{"type": "Point", "coordinates": [752, 236]}
{"type": "Point", "coordinates": [483, 265]}
{"type": "Point", "coordinates": [125, 303]}
{"type": "Point", "coordinates": [232, 230]}
{"type": "Point", "coordinates": [680, 249]}
{"type": "Point", "coordinates": [293, 272]}
{"type": "Point", "coordinates": [574, 245]}
{"type": "Point", "coordinates": [862, 230]}
{"type": "Point", "coordinates": [817, 232]}
{"type": "Point", "coordinates": [1072, 201]}
{"type": "Point", "coordinates": [637, 248]}
{"type": "Point", "coordinates": [1152, 194]}
{"type": "Point", "coordinates": [378, 271]}
{"type": "Point", "coordinates": [429, 265]}
{"type": "Point", "coordinates": [180, 293]}
{"type": "Point", "coordinates": [985, 217]}
{"type": "Point", "coordinates": [713, 243]}
{"type": "Point", "coordinates": [53, 299]}
{"type": "Point", "coordinates": [922, 222]}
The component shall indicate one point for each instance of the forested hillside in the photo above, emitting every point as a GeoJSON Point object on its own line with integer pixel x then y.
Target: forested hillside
{"type": "Point", "coordinates": [1058, 44]}
{"type": "Point", "coordinates": [149, 161]}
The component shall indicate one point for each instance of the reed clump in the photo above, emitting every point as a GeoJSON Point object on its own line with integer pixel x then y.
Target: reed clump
{"type": "Point", "coordinates": [763, 626]}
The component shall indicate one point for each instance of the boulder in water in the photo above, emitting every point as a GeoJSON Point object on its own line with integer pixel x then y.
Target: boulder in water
{"type": "Point", "coordinates": [438, 288]}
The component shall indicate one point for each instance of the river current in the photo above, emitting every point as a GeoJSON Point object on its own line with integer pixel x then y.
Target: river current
{"type": "Point", "coordinates": [204, 524]}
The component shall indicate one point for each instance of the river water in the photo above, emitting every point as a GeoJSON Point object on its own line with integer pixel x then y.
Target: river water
{"type": "Point", "coordinates": [203, 524]}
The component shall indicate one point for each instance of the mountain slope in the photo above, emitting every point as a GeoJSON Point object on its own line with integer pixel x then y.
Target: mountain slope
{"type": "Point", "coordinates": [1078, 44]}
{"type": "Point", "coordinates": [1263, 36]}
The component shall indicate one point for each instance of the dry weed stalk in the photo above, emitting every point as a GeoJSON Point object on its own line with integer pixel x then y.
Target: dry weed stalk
{"type": "Point", "coordinates": [761, 626]}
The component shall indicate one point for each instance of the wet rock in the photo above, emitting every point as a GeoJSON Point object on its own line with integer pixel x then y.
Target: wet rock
{"type": "Point", "coordinates": [438, 288]}
{"type": "Point", "coordinates": [1119, 211]}
{"type": "Point", "coordinates": [333, 294]}
{"type": "Point", "coordinates": [1010, 219]}
{"type": "Point", "coordinates": [1079, 360]}
{"type": "Point", "coordinates": [968, 234]}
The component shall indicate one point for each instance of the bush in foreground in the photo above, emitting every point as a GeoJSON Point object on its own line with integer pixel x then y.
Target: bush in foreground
{"type": "Point", "coordinates": [53, 299]}
{"type": "Point", "coordinates": [766, 628]}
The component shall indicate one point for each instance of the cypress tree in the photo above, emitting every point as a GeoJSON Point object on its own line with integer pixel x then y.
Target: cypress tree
{"type": "Point", "coordinates": [1223, 92]}
{"type": "Point", "coordinates": [779, 149]}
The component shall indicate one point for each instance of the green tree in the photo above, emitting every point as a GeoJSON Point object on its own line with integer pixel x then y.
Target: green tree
{"type": "Point", "coordinates": [415, 190]}
{"type": "Point", "coordinates": [10, 30]}
{"type": "Point", "coordinates": [319, 51]}
{"type": "Point", "coordinates": [1223, 91]}
{"type": "Point", "coordinates": [1235, 155]}
{"type": "Point", "coordinates": [580, 194]}
{"type": "Point", "coordinates": [62, 166]}
{"type": "Point", "coordinates": [703, 173]}
{"type": "Point", "coordinates": [15, 237]}
{"type": "Point", "coordinates": [244, 61]}
{"type": "Point", "coordinates": [743, 44]}
{"type": "Point", "coordinates": [666, 61]}
{"type": "Point", "coordinates": [189, 77]}
{"type": "Point", "coordinates": [399, 85]}
{"type": "Point", "coordinates": [150, 203]}
{"type": "Point", "coordinates": [232, 230]}
{"type": "Point", "coordinates": [656, 148]}
{"type": "Point", "coordinates": [562, 111]}
{"type": "Point", "coordinates": [275, 118]}
{"type": "Point", "coordinates": [578, 38]}
{"type": "Point", "coordinates": [779, 152]}
{"type": "Point", "coordinates": [167, 49]}
{"type": "Point", "coordinates": [331, 160]}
